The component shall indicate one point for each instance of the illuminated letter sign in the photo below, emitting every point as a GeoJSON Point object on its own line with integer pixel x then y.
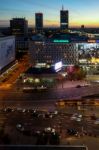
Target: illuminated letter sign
{"type": "Point", "coordinates": [61, 41]}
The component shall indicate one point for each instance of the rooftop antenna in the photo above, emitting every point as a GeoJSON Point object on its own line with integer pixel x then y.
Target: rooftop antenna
{"type": "Point", "coordinates": [62, 7]}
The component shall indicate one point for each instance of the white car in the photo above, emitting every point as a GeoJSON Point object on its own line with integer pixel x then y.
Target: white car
{"type": "Point", "coordinates": [80, 116]}
{"type": "Point", "coordinates": [96, 122]}
{"type": "Point", "coordinates": [20, 127]}
{"type": "Point", "coordinates": [78, 119]}
{"type": "Point", "coordinates": [73, 118]}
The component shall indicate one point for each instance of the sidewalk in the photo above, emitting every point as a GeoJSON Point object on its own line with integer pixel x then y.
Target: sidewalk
{"type": "Point", "coordinates": [91, 142]}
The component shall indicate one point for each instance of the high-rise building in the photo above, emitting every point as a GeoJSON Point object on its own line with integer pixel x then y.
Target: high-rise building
{"type": "Point", "coordinates": [39, 21]}
{"type": "Point", "coordinates": [64, 19]}
{"type": "Point", "coordinates": [82, 26]}
{"type": "Point", "coordinates": [19, 26]}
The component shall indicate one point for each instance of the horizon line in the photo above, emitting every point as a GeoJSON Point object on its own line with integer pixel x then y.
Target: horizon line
{"type": "Point", "coordinates": [31, 26]}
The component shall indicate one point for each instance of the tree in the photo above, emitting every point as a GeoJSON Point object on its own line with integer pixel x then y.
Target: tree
{"type": "Point", "coordinates": [54, 139]}
{"type": "Point", "coordinates": [77, 74]}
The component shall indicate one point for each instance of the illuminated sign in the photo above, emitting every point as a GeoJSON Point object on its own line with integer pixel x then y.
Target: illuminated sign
{"type": "Point", "coordinates": [92, 41]}
{"type": "Point", "coordinates": [58, 66]}
{"type": "Point", "coordinates": [97, 41]}
{"type": "Point", "coordinates": [61, 41]}
{"type": "Point", "coordinates": [95, 60]}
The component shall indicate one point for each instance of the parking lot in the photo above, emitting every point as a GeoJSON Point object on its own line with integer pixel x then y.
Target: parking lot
{"type": "Point", "coordinates": [27, 126]}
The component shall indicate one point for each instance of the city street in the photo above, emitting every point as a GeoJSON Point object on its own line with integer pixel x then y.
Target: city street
{"type": "Point", "coordinates": [16, 94]}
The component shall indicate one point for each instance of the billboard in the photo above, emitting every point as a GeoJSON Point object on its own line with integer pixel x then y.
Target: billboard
{"type": "Point", "coordinates": [58, 66]}
{"type": "Point", "coordinates": [7, 51]}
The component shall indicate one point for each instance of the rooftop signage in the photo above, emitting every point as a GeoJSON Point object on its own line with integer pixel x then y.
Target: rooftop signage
{"type": "Point", "coordinates": [91, 41]}
{"type": "Point", "coordinates": [61, 41]}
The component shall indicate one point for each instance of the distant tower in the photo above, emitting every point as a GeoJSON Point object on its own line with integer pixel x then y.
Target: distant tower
{"type": "Point", "coordinates": [82, 26]}
{"type": "Point", "coordinates": [62, 7]}
{"type": "Point", "coordinates": [64, 19]}
{"type": "Point", "coordinates": [39, 22]}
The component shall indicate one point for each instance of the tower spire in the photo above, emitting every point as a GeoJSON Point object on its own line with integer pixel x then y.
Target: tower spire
{"type": "Point", "coordinates": [62, 7]}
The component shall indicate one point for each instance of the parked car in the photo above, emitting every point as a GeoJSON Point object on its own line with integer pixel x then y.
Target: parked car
{"type": "Point", "coordinates": [96, 122]}
{"type": "Point", "coordinates": [19, 127]}
{"type": "Point", "coordinates": [76, 117]}
{"type": "Point", "coordinates": [72, 132]}
{"type": "Point", "coordinates": [78, 86]}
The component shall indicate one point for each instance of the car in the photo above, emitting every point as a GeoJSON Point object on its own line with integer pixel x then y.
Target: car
{"type": "Point", "coordinates": [78, 119]}
{"type": "Point", "coordinates": [24, 110]}
{"type": "Point", "coordinates": [54, 112]}
{"type": "Point", "coordinates": [96, 122]}
{"type": "Point", "coordinates": [47, 115]}
{"type": "Point", "coordinates": [80, 115]}
{"type": "Point", "coordinates": [73, 118]}
{"type": "Point", "coordinates": [78, 86]}
{"type": "Point", "coordinates": [93, 117]}
{"type": "Point", "coordinates": [8, 110]}
{"type": "Point", "coordinates": [19, 127]}
{"type": "Point", "coordinates": [28, 89]}
{"type": "Point", "coordinates": [41, 87]}
{"type": "Point", "coordinates": [72, 132]}
{"type": "Point", "coordinates": [35, 133]}
{"type": "Point", "coordinates": [49, 130]}
{"type": "Point", "coordinates": [35, 114]}
{"type": "Point", "coordinates": [86, 85]}
{"type": "Point", "coordinates": [19, 109]}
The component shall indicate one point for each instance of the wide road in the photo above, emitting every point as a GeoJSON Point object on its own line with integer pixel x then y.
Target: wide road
{"type": "Point", "coordinates": [16, 97]}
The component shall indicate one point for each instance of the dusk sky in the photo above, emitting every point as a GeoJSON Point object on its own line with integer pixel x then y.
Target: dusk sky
{"type": "Point", "coordinates": [80, 11]}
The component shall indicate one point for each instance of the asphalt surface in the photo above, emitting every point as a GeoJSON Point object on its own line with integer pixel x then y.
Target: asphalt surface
{"type": "Point", "coordinates": [60, 122]}
{"type": "Point", "coordinates": [16, 97]}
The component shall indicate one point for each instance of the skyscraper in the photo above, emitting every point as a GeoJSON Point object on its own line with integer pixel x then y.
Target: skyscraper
{"type": "Point", "coordinates": [64, 19]}
{"type": "Point", "coordinates": [19, 26]}
{"type": "Point", "coordinates": [39, 21]}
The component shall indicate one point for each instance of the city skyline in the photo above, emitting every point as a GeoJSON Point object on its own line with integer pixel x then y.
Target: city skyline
{"type": "Point", "coordinates": [80, 12]}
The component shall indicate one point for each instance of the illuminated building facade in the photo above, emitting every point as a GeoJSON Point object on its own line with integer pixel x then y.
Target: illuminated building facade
{"type": "Point", "coordinates": [69, 49]}
{"type": "Point", "coordinates": [88, 53]}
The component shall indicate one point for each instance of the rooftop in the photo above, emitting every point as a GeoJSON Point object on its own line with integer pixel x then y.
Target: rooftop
{"type": "Point", "coordinates": [37, 71]}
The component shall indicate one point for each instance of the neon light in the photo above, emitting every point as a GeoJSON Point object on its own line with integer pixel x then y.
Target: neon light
{"type": "Point", "coordinates": [91, 41]}
{"type": "Point", "coordinates": [61, 41]}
